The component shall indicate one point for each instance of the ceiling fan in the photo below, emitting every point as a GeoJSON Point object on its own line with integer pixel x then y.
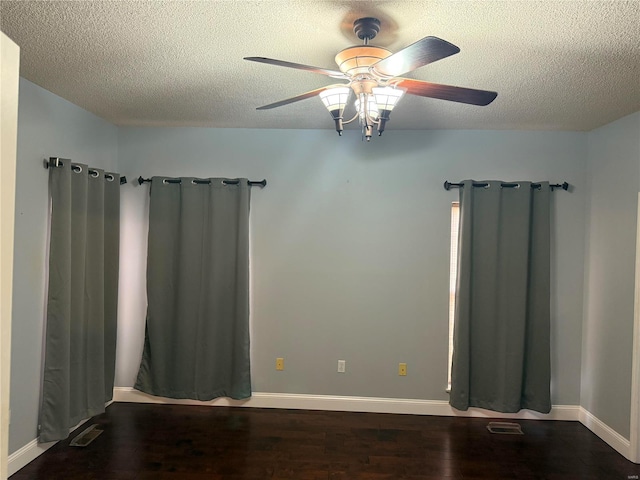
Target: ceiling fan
{"type": "Point", "coordinates": [373, 75]}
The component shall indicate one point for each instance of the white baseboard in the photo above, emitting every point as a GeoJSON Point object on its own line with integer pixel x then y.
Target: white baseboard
{"type": "Point", "coordinates": [26, 454]}
{"type": "Point", "coordinates": [349, 404]}
{"type": "Point", "coordinates": [606, 433]}
{"type": "Point", "coordinates": [32, 450]}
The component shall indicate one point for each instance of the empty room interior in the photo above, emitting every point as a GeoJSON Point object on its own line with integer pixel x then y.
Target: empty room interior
{"type": "Point", "coordinates": [320, 240]}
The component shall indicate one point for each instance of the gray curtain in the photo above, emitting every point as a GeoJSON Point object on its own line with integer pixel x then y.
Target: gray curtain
{"type": "Point", "coordinates": [501, 357]}
{"type": "Point", "coordinates": [197, 330]}
{"type": "Point", "coordinates": [80, 339]}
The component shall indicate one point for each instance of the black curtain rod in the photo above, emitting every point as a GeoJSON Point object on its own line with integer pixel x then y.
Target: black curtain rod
{"type": "Point", "coordinates": [261, 183]}
{"type": "Point", "coordinates": [53, 162]}
{"type": "Point", "coordinates": [564, 185]}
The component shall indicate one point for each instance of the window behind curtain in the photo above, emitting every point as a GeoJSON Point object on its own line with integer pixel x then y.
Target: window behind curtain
{"type": "Point", "coordinates": [453, 276]}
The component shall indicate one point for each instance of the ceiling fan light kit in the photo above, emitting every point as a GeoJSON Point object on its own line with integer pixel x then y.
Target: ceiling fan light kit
{"type": "Point", "coordinates": [335, 99]}
{"type": "Point", "coordinates": [374, 78]}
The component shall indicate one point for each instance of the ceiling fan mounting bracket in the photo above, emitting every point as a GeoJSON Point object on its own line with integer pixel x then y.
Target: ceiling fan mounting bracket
{"type": "Point", "coordinates": [366, 28]}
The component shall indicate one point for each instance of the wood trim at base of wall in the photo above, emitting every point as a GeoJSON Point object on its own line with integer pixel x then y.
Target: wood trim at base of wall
{"type": "Point", "coordinates": [27, 454]}
{"type": "Point", "coordinates": [349, 404]}
{"type": "Point", "coordinates": [34, 449]}
{"type": "Point", "coordinates": [606, 433]}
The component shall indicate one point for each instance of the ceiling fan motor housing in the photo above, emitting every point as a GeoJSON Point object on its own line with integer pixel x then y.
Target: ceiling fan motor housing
{"type": "Point", "coordinates": [357, 60]}
{"type": "Point", "coordinates": [366, 28]}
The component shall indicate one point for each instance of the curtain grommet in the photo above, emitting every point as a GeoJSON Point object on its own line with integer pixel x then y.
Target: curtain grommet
{"type": "Point", "coordinates": [76, 168]}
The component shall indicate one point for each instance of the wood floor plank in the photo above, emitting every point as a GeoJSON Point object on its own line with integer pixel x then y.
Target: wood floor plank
{"type": "Point", "coordinates": [177, 442]}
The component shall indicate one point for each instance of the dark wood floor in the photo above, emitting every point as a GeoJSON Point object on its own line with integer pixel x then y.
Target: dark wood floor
{"type": "Point", "coordinates": [168, 442]}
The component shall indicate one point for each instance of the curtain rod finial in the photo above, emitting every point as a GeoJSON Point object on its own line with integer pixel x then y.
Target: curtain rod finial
{"type": "Point", "coordinates": [52, 162]}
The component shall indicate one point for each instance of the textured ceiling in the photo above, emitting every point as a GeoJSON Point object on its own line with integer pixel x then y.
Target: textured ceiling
{"type": "Point", "coordinates": [561, 65]}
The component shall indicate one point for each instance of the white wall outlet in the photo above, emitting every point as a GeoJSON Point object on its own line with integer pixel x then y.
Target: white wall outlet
{"type": "Point", "coordinates": [342, 365]}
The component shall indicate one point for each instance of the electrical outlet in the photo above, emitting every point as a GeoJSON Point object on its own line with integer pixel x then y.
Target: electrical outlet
{"type": "Point", "coordinates": [402, 369]}
{"type": "Point", "coordinates": [342, 365]}
{"type": "Point", "coordinates": [279, 363]}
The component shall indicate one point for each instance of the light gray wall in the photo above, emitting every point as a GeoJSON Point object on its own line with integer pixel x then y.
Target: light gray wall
{"type": "Point", "coordinates": [613, 185]}
{"type": "Point", "coordinates": [350, 247]}
{"type": "Point", "coordinates": [47, 126]}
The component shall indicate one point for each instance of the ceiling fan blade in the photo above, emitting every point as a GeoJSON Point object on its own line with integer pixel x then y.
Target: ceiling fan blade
{"type": "Point", "coordinates": [447, 92]}
{"type": "Point", "coordinates": [299, 66]}
{"type": "Point", "coordinates": [416, 55]}
{"type": "Point", "coordinates": [297, 98]}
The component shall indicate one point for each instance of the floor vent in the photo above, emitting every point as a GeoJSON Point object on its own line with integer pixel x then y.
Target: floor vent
{"type": "Point", "coordinates": [86, 437]}
{"type": "Point", "coordinates": [505, 428]}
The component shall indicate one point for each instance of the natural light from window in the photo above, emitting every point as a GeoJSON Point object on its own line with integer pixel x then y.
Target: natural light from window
{"type": "Point", "coordinates": [453, 277]}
